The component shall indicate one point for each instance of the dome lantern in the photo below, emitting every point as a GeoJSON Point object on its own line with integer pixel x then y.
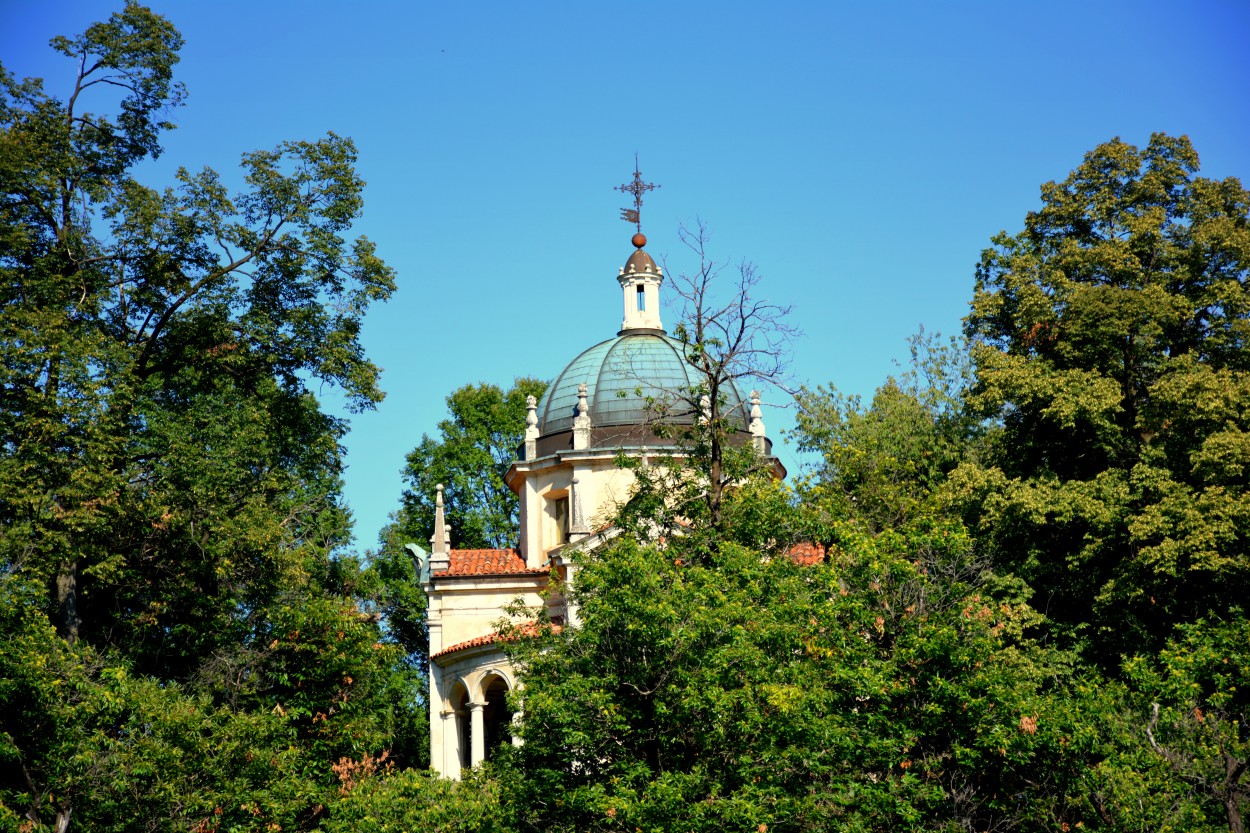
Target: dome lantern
{"type": "Point", "coordinates": [640, 280]}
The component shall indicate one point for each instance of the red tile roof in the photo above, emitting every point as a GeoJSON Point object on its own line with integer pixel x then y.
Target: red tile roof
{"type": "Point", "coordinates": [487, 563]}
{"type": "Point", "coordinates": [807, 553]}
{"type": "Point", "coordinates": [525, 629]}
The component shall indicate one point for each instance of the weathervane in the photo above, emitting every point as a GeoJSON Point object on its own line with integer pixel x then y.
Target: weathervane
{"type": "Point", "coordinates": [637, 188]}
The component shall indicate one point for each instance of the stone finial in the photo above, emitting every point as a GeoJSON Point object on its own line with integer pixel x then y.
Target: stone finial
{"type": "Point", "coordinates": [440, 541]}
{"type": "Point", "coordinates": [531, 427]}
{"type": "Point", "coordinates": [581, 422]}
{"type": "Point", "coordinates": [756, 424]}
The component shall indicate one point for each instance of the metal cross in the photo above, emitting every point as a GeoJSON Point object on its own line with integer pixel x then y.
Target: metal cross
{"type": "Point", "coordinates": [637, 188]}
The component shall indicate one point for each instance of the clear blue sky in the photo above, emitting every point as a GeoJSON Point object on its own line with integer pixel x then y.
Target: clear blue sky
{"type": "Point", "coordinates": [861, 155]}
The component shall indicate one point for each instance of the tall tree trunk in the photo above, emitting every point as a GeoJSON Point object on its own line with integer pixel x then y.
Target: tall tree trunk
{"type": "Point", "coordinates": [67, 603]}
{"type": "Point", "coordinates": [1234, 793]}
{"type": "Point", "coordinates": [62, 819]}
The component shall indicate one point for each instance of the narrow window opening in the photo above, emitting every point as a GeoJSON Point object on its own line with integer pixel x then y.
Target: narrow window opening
{"type": "Point", "coordinates": [557, 525]}
{"type": "Point", "coordinates": [460, 708]}
{"type": "Point", "coordinates": [498, 717]}
{"type": "Point", "coordinates": [642, 302]}
{"type": "Point", "coordinates": [561, 517]}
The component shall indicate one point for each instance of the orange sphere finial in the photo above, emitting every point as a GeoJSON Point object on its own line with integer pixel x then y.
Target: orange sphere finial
{"type": "Point", "coordinates": [639, 240]}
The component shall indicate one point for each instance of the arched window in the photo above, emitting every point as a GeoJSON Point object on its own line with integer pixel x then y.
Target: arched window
{"type": "Point", "coordinates": [497, 716]}
{"type": "Point", "coordinates": [460, 706]}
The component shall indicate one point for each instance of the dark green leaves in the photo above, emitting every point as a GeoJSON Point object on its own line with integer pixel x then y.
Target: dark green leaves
{"type": "Point", "coordinates": [890, 688]}
{"type": "Point", "coordinates": [475, 447]}
{"type": "Point", "coordinates": [1112, 335]}
{"type": "Point", "coordinates": [182, 633]}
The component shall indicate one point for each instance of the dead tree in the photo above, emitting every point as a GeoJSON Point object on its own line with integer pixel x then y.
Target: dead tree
{"type": "Point", "coordinates": [732, 338]}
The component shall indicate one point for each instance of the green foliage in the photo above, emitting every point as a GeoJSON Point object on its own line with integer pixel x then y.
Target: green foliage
{"type": "Point", "coordinates": [252, 742]}
{"type": "Point", "coordinates": [891, 688]}
{"type": "Point", "coordinates": [1112, 345]}
{"type": "Point", "coordinates": [879, 465]}
{"type": "Point", "coordinates": [1192, 702]}
{"type": "Point", "coordinates": [164, 461]}
{"type": "Point", "coordinates": [180, 645]}
{"type": "Point", "coordinates": [669, 498]}
{"type": "Point", "coordinates": [476, 446]}
{"type": "Point", "coordinates": [85, 741]}
{"type": "Point", "coordinates": [399, 596]}
{"type": "Point", "coordinates": [377, 800]}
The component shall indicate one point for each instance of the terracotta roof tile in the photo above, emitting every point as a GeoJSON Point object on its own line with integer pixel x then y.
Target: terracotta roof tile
{"type": "Point", "coordinates": [807, 553]}
{"type": "Point", "coordinates": [526, 629]}
{"type": "Point", "coordinates": [487, 563]}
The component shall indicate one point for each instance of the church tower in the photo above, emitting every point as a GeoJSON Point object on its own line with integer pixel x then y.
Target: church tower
{"type": "Point", "coordinates": [603, 404]}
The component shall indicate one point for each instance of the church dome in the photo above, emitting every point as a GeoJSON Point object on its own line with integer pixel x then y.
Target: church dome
{"type": "Point", "coordinates": [629, 380]}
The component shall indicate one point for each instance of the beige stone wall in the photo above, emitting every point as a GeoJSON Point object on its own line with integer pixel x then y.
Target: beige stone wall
{"type": "Point", "coordinates": [471, 607]}
{"type": "Point", "coordinates": [601, 488]}
{"type": "Point", "coordinates": [462, 609]}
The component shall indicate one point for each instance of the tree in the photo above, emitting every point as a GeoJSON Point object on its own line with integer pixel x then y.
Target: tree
{"type": "Point", "coordinates": [729, 339]}
{"type": "Point", "coordinates": [87, 744]}
{"type": "Point", "coordinates": [375, 798]}
{"type": "Point", "coordinates": [476, 446]}
{"type": "Point", "coordinates": [1194, 699]}
{"type": "Point", "coordinates": [881, 464]}
{"type": "Point", "coordinates": [163, 459]}
{"type": "Point", "coordinates": [1111, 344]}
{"type": "Point", "coordinates": [892, 688]}
{"type": "Point", "coordinates": [170, 517]}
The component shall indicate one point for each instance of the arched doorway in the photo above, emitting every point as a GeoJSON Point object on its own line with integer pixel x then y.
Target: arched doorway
{"type": "Point", "coordinates": [497, 716]}
{"type": "Point", "coordinates": [459, 701]}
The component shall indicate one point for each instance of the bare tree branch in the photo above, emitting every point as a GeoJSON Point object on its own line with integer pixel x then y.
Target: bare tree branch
{"type": "Point", "coordinates": [728, 336]}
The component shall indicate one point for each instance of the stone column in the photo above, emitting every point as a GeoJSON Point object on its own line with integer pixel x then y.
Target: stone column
{"type": "Point", "coordinates": [517, 740]}
{"type": "Point", "coordinates": [448, 745]}
{"type": "Point", "coordinates": [572, 615]}
{"type": "Point", "coordinates": [477, 732]}
{"type": "Point", "coordinates": [438, 720]}
{"type": "Point", "coordinates": [440, 541]}
{"type": "Point", "coordinates": [578, 525]}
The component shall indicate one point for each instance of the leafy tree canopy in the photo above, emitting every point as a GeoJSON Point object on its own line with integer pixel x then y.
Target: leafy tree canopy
{"type": "Point", "coordinates": [1192, 702]}
{"type": "Point", "coordinates": [1111, 343]}
{"type": "Point", "coordinates": [880, 464]}
{"type": "Point", "coordinates": [180, 633]}
{"type": "Point", "coordinates": [890, 688]}
{"type": "Point", "coordinates": [165, 463]}
{"type": "Point", "coordinates": [476, 446]}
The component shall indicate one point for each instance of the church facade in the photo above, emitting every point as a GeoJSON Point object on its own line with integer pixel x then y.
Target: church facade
{"type": "Point", "coordinates": [569, 485]}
